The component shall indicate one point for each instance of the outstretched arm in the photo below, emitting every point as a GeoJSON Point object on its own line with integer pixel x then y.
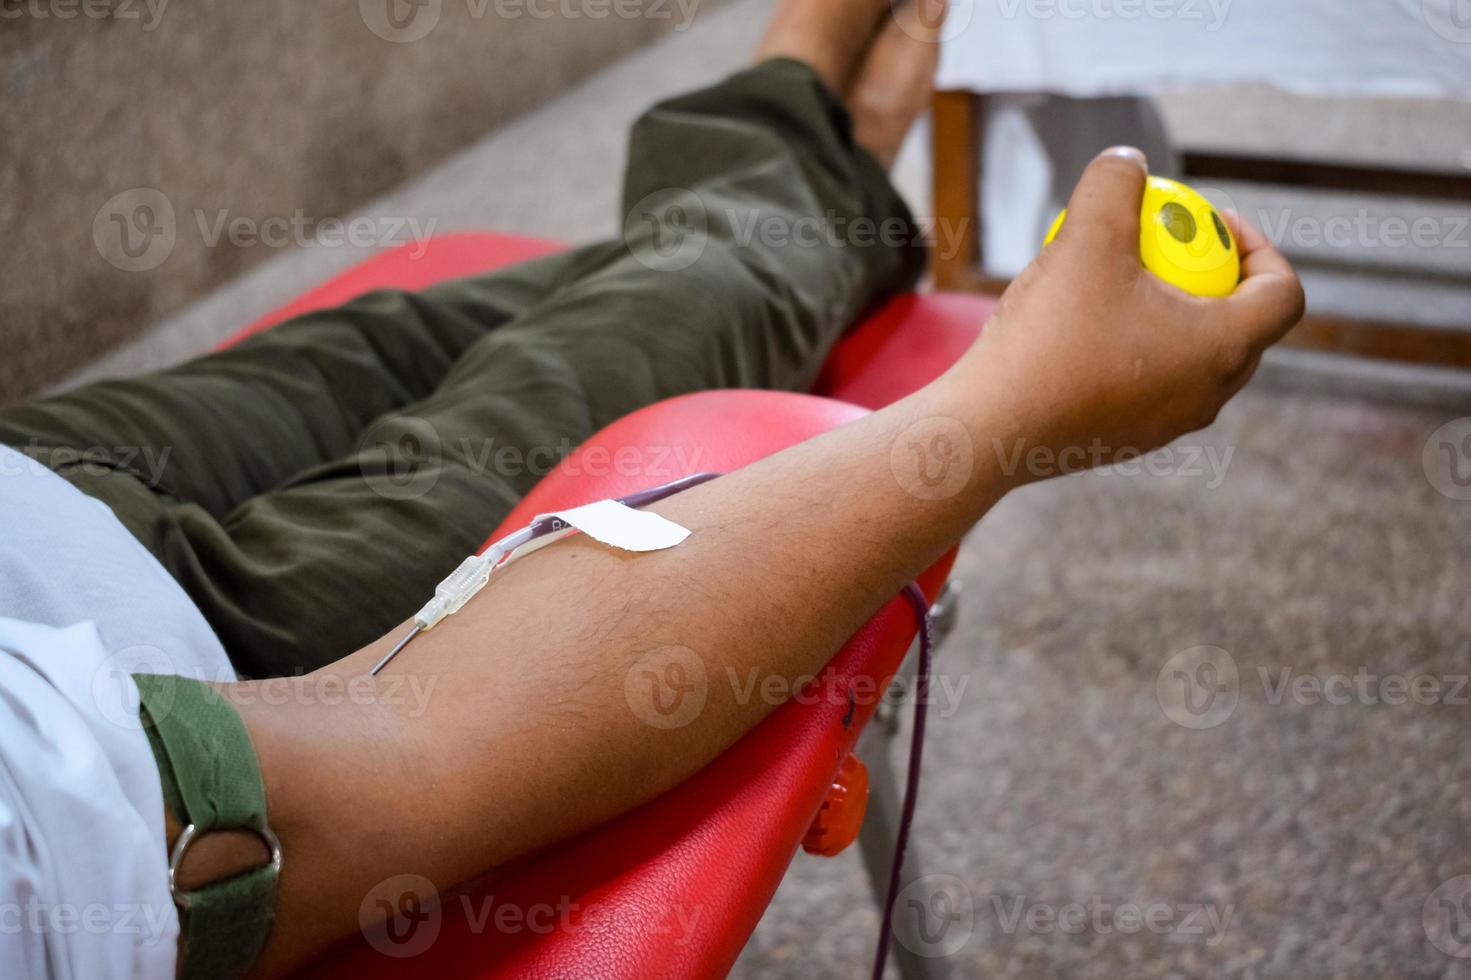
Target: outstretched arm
{"type": "Point", "coordinates": [528, 737]}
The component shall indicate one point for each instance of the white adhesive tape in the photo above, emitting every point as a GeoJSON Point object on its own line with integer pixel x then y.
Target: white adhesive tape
{"type": "Point", "coordinates": [620, 526]}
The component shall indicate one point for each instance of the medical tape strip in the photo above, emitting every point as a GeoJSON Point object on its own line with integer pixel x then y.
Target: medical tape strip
{"type": "Point", "coordinates": [614, 524]}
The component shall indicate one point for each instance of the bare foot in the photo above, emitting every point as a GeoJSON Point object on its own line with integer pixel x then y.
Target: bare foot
{"type": "Point", "coordinates": [832, 36]}
{"type": "Point", "coordinates": [896, 81]}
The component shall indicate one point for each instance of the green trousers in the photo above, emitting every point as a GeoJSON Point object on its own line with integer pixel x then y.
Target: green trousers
{"type": "Point", "coordinates": [308, 487]}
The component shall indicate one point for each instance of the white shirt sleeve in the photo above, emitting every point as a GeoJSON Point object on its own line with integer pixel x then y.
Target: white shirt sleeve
{"type": "Point", "coordinates": [83, 873]}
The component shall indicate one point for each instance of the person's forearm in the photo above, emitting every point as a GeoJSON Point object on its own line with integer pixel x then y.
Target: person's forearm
{"type": "Point", "coordinates": [528, 735]}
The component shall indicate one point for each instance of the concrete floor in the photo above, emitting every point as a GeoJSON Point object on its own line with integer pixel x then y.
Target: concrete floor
{"type": "Point", "coordinates": [1069, 778]}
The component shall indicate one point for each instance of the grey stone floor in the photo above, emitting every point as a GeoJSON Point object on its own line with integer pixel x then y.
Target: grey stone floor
{"type": "Point", "coordinates": [1068, 772]}
{"type": "Point", "coordinates": [1068, 781]}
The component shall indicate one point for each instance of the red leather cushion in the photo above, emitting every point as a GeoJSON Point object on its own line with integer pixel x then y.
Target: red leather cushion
{"type": "Point", "coordinates": [908, 343]}
{"type": "Point", "coordinates": [412, 266]}
{"type": "Point", "coordinates": [675, 888]}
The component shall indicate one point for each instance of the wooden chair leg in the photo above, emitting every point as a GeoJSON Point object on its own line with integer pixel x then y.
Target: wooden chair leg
{"type": "Point", "coordinates": [957, 133]}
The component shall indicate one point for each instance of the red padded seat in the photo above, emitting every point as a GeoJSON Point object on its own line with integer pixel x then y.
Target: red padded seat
{"type": "Point", "coordinates": [675, 888]}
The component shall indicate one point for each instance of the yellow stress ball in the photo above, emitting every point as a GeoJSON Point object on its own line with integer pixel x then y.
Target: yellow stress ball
{"type": "Point", "coordinates": [1182, 240]}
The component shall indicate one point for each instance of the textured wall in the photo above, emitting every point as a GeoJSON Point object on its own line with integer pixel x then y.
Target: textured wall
{"type": "Point", "coordinates": [153, 149]}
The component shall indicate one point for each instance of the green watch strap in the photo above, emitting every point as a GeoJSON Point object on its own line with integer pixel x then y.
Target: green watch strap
{"type": "Point", "coordinates": [212, 782]}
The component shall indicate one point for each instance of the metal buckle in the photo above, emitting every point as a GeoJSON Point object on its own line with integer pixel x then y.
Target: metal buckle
{"type": "Point", "coordinates": [187, 838]}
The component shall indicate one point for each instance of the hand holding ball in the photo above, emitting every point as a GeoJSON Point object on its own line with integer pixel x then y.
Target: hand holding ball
{"type": "Point", "coordinates": [1182, 240]}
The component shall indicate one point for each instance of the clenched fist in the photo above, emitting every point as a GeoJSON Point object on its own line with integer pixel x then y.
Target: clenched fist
{"type": "Point", "coordinates": [1093, 350]}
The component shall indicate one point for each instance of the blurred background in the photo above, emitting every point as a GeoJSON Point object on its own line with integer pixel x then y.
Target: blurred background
{"type": "Point", "coordinates": [171, 172]}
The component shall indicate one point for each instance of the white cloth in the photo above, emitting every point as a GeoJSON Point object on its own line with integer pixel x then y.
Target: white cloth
{"type": "Point", "coordinates": [1035, 150]}
{"type": "Point", "coordinates": [83, 876]}
{"type": "Point", "coordinates": [1088, 48]}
